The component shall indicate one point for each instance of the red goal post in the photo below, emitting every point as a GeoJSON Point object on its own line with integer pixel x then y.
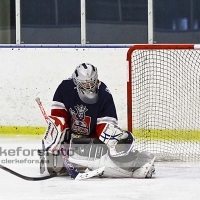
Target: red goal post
{"type": "Point", "coordinates": [163, 99]}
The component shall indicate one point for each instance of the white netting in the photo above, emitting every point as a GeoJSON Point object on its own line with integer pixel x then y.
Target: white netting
{"type": "Point", "coordinates": [166, 102]}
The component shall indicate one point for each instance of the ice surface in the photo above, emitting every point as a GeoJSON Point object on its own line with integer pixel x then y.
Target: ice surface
{"type": "Point", "coordinates": [172, 181]}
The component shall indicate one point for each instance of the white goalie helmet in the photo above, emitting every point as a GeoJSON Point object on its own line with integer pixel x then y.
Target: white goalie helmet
{"type": "Point", "coordinates": [85, 78]}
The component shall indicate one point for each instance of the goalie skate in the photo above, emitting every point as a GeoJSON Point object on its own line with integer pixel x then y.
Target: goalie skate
{"type": "Point", "coordinates": [146, 162]}
{"type": "Point", "coordinates": [151, 172]}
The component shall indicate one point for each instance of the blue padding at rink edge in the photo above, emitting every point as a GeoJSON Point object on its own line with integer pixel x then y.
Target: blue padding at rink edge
{"type": "Point", "coordinates": [62, 46]}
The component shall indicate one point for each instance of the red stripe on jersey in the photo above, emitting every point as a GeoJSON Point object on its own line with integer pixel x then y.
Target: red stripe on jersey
{"type": "Point", "coordinates": [99, 128]}
{"type": "Point", "coordinates": [60, 113]}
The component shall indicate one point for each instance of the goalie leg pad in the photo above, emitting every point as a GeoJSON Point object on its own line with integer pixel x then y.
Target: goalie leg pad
{"type": "Point", "coordinates": [93, 154]}
{"type": "Point", "coordinates": [81, 154]}
{"type": "Point", "coordinates": [140, 164]}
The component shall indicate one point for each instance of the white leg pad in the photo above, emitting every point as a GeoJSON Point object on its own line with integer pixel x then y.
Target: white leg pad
{"type": "Point", "coordinates": [111, 169]}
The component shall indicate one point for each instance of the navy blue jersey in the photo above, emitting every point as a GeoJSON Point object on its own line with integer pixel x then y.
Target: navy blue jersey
{"type": "Point", "coordinates": [83, 119]}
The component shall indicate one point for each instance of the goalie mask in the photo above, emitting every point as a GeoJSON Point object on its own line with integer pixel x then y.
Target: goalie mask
{"type": "Point", "coordinates": [85, 78]}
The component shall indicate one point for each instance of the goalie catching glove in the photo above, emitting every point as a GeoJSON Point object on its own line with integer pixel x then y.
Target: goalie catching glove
{"type": "Point", "coordinates": [55, 134]}
{"type": "Point", "coordinates": [119, 142]}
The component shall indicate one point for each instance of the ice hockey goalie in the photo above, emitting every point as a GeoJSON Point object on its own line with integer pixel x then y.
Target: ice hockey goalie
{"type": "Point", "coordinates": [83, 109]}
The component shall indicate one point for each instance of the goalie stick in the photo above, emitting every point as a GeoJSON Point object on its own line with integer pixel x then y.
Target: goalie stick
{"type": "Point", "coordinates": [27, 177]}
{"type": "Point", "coordinates": [73, 172]}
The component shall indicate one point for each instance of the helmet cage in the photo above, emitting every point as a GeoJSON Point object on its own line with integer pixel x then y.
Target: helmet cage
{"type": "Point", "coordinates": [88, 86]}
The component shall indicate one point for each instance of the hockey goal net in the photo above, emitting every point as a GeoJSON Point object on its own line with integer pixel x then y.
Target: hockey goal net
{"type": "Point", "coordinates": [163, 91]}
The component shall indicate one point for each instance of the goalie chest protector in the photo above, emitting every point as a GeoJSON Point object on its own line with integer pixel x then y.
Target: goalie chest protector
{"type": "Point", "coordinates": [81, 117]}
